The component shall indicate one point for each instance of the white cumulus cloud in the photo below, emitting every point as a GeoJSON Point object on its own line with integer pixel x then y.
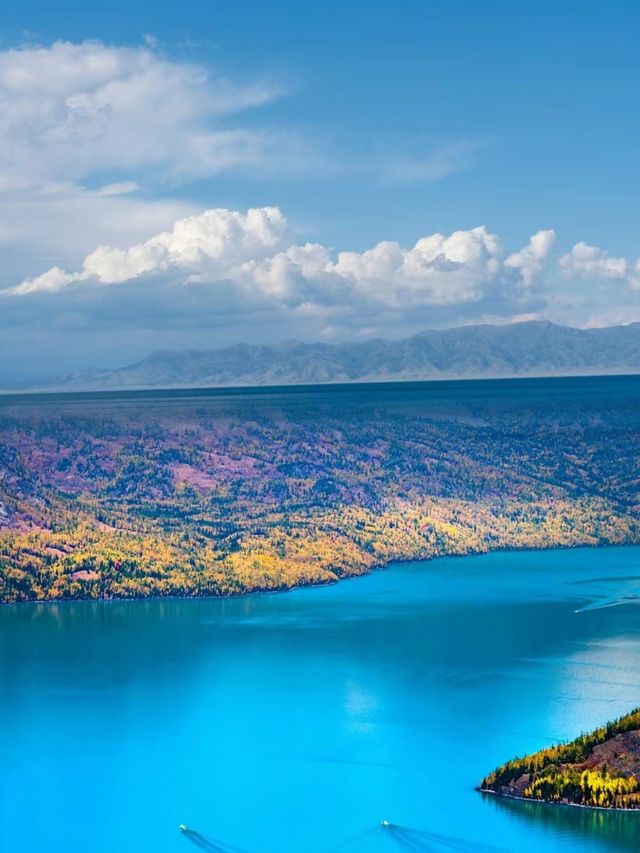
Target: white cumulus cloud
{"type": "Point", "coordinates": [437, 270]}
{"type": "Point", "coordinates": [530, 260]}
{"type": "Point", "coordinates": [210, 244]}
{"type": "Point", "coordinates": [250, 251]}
{"type": "Point", "coordinates": [584, 261]}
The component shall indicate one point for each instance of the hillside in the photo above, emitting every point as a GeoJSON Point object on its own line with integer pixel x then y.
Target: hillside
{"type": "Point", "coordinates": [600, 769]}
{"type": "Point", "coordinates": [519, 349]}
{"type": "Point", "coordinates": [218, 493]}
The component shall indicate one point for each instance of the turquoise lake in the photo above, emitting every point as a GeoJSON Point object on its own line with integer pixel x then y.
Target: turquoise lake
{"type": "Point", "coordinates": [298, 721]}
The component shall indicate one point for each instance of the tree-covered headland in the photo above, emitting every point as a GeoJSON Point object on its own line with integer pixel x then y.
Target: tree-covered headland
{"type": "Point", "coordinates": [600, 769]}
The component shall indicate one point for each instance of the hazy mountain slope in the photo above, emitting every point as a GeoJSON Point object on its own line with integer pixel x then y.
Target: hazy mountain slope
{"type": "Point", "coordinates": [519, 349]}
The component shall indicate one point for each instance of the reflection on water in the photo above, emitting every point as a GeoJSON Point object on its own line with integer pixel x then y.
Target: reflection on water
{"type": "Point", "coordinates": [288, 723]}
{"type": "Point", "coordinates": [620, 830]}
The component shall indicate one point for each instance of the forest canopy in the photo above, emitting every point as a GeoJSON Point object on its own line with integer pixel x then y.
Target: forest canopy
{"type": "Point", "coordinates": [217, 494]}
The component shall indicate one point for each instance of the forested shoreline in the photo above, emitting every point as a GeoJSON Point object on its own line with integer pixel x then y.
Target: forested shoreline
{"type": "Point", "coordinates": [131, 497]}
{"type": "Point", "coordinates": [600, 769]}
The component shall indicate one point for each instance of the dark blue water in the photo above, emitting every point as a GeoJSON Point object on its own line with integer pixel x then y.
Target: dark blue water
{"type": "Point", "coordinates": [299, 721]}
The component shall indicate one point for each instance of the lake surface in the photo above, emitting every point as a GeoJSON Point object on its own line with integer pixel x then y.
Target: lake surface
{"type": "Point", "coordinates": [297, 722]}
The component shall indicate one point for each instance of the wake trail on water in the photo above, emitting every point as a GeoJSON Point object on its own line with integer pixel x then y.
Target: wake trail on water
{"type": "Point", "coordinates": [601, 604]}
{"type": "Point", "coordinates": [395, 837]}
{"type": "Point", "coordinates": [432, 841]}
{"type": "Point", "coordinates": [204, 842]}
{"type": "Point", "coordinates": [379, 838]}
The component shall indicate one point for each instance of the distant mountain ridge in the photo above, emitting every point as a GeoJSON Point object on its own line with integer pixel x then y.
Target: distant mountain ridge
{"type": "Point", "coordinates": [534, 348]}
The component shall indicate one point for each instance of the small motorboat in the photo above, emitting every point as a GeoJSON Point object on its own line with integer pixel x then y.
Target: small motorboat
{"type": "Point", "coordinates": [385, 824]}
{"type": "Point", "coordinates": [183, 827]}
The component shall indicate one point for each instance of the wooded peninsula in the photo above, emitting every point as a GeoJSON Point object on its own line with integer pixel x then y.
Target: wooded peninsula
{"type": "Point", "coordinates": [598, 770]}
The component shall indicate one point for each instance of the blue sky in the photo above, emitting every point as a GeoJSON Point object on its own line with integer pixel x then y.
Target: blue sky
{"type": "Point", "coordinates": [361, 122]}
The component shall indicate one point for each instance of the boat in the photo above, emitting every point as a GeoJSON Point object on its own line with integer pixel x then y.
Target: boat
{"type": "Point", "coordinates": [183, 827]}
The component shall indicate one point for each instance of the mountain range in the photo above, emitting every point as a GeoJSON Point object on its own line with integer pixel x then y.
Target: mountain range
{"type": "Point", "coordinates": [534, 348]}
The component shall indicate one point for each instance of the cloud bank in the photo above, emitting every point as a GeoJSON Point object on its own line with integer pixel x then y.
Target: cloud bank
{"type": "Point", "coordinates": [224, 275]}
{"type": "Point", "coordinates": [251, 252]}
{"type": "Point", "coordinates": [222, 266]}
